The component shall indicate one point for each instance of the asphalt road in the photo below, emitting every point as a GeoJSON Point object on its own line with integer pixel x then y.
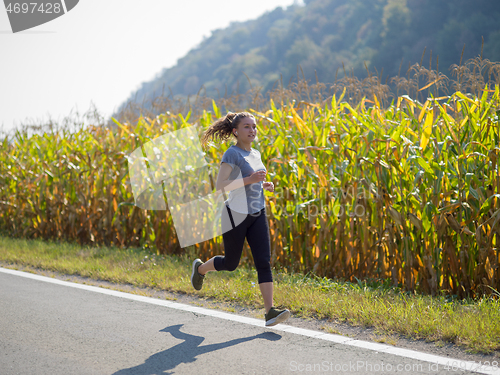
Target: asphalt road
{"type": "Point", "coordinates": [56, 329]}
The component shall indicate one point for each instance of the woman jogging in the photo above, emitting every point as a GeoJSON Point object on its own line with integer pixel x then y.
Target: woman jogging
{"type": "Point", "coordinates": [245, 213]}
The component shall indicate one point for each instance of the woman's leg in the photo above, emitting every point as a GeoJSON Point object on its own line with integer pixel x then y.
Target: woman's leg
{"type": "Point", "coordinates": [233, 247]}
{"type": "Point", "coordinates": [207, 267]}
{"type": "Point", "coordinates": [233, 243]}
{"type": "Point", "coordinates": [260, 244]}
{"type": "Point", "coordinates": [266, 289]}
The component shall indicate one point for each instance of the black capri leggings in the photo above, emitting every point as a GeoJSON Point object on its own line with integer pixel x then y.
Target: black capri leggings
{"type": "Point", "coordinates": [254, 227]}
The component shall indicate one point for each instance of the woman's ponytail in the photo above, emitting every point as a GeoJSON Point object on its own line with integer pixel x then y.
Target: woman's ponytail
{"type": "Point", "coordinates": [222, 129]}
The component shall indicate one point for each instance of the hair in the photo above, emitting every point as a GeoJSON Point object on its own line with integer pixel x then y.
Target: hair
{"type": "Point", "coordinates": [222, 129]}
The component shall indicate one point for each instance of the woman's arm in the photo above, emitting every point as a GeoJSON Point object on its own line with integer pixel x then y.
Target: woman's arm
{"type": "Point", "coordinates": [223, 181]}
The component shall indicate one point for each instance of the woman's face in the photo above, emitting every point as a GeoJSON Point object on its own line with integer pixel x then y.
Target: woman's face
{"type": "Point", "coordinates": [247, 129]}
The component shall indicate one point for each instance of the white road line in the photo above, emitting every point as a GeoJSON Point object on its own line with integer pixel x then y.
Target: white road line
{"type": "Point", "coordinates": [454, 364]}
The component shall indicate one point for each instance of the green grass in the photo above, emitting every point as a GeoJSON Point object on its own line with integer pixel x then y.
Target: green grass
{"type": "Point", "coordinates": [471, 324]}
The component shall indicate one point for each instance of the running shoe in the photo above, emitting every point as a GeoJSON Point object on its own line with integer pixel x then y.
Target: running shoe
{"type": "Point", "coordinates": [275, 316]}
{"type": "Point", "coordinates": [196, 278]}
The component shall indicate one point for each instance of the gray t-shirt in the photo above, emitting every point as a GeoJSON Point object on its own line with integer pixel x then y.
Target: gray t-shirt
{"type": "Point", "coordinates": [244, 163]}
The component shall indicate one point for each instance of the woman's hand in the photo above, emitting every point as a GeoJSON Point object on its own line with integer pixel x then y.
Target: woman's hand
{"type": "Point", "coordinates": [258, 176]}
{"type": "Point", "coordinates": [268, 185]}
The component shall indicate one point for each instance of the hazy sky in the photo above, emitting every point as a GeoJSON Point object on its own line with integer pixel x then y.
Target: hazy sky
{"type": "Point", "coordinates": [100, 51]}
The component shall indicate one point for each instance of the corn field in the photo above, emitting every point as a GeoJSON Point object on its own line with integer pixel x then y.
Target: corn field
{"type": "Point", "coordinates": [408, 191]}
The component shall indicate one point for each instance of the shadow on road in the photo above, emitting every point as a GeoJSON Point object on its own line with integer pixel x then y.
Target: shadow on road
{"type": "Point", "coordinates": [185, 352]}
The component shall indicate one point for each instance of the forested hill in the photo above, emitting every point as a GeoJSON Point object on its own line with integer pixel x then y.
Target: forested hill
{"type": "Point", "coordinates": [322, 35]}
